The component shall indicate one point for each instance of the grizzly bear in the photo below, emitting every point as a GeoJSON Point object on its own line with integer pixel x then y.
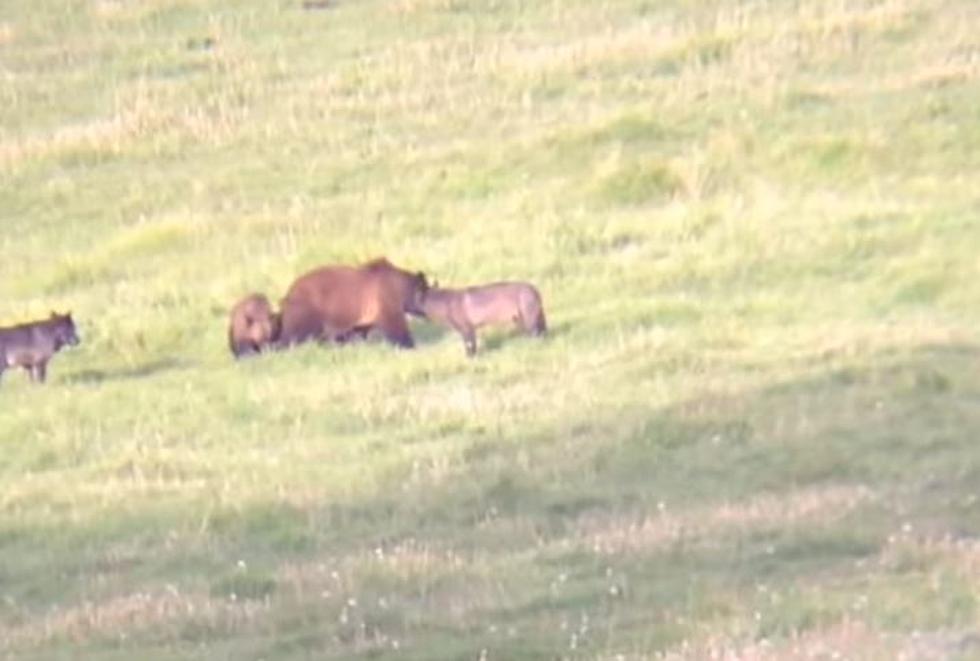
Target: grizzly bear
{"type": "Point", "coordinates": [465, 310]}
{"type": "Point", "coordinates": [253, 326]}
{"type": "Point", "coordinates": [336, 303]}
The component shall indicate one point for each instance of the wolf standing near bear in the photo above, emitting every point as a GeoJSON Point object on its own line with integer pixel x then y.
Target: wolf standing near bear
{"type": "Point", "coordinates": [337, 303]}
{"type": "Point", "coordinates": [327, 304]}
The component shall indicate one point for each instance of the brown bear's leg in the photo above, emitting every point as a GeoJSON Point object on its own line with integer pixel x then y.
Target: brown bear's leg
{"type": "Point", "coordinates": [355, 333]}
{"type": "Point", "coordinates": [396, 330]}
{"type": "Point", "coordinates": [520, 323]}
{"type": "Point", "coordinates": [300, 323]}
{"type": "Point", "coordinates": [540, 325]}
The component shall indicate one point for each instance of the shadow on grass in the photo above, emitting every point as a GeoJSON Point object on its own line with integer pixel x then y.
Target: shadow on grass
{"type": "Point", "coordinates": [649, 516]}
{"type": "Point", "coordinates": [495, 340]}
{"type": "Point", "coordinates": [426, 332]}
{"type": "Point", "coordinates": [492, 339]}
{"type": "Point", "coordinates": [626, 532]}
{"type": "Point", "coordinates": [127, 373]}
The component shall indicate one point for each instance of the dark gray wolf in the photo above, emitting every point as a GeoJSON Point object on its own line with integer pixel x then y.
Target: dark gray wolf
{"type": "Point", "coordinates": [32, 344]}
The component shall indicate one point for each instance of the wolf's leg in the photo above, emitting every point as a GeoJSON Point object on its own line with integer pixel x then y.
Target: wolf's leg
{"type": "Point", "coordinates": [39, 371]}
{"type": "Point", "coordinates": [469, 339]}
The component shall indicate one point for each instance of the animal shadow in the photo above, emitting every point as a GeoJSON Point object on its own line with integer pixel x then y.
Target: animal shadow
{"type": "Point", "coordinates": [428, 333]}
{"type": "Point", "coordinates": [126, 373]}
{"type": "Point", "coordinates": [494, 340]}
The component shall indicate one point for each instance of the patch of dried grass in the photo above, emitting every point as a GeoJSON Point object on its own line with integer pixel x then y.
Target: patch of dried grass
{"type": "Point", "coordinates": [963, 553]}
{"type": "Point", "coordinates": [848, 639]}
{"type": "Point", "coordinates": [657, 531]}
{"type": "Point", "coordinates": [406, 560]}
{"type": "Point", "coordinates": [123, 615]}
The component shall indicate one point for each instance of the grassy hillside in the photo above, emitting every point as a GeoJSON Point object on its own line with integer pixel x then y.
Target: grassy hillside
{"type": "Point", "coordinates": [752, 430]}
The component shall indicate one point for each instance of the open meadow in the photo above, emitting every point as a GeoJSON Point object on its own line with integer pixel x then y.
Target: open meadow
{"type": "Point", "coordinates": [752, 432]}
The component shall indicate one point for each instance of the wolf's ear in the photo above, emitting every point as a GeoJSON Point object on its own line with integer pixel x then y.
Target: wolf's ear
{"type": "Point", "coordinates": [54, 315]}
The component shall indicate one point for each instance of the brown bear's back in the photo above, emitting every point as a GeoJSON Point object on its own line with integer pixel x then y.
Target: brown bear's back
{"type": "Point", "coordinates": [330, 302]}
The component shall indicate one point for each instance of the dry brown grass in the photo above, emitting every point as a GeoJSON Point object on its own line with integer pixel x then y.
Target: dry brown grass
{"type": "Point", "coordinates": [405, 561]}
{"type": "Point", "coordinates": [961, 554]}
{"type": "Point", "coordinates": [649, 533]}
{"type": "Point", "coordinates": [128, 615]}
{"type": "Point", "coordinates": [849, 639]}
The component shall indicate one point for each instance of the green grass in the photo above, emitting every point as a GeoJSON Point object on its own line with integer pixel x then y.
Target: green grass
{"type": "Point", "coordinates": [750, 432]}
